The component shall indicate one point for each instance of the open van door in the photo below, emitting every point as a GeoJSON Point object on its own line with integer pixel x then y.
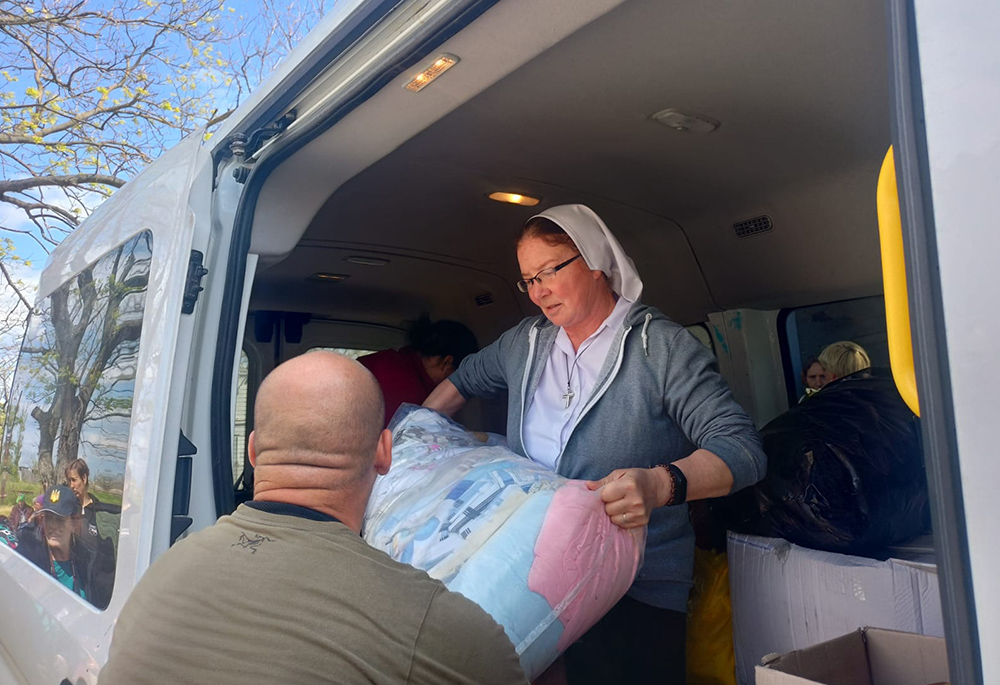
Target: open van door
{"type": "Point", "coordinates": [95, 381]}
{"type": "Point", "coordinates": [946, 105]}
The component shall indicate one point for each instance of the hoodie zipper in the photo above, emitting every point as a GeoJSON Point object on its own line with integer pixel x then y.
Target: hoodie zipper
{"type": "Point", "coordinates": [596, 396]}
{"type": "Point", "coordinates": [532, 334]}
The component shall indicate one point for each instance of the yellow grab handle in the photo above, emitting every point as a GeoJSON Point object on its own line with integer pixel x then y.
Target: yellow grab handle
{"type": "Point", "coordinates": [897, 308]}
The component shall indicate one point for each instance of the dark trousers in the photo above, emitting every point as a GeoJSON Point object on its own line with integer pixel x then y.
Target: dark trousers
{"type": "Point", "coordinates": [634, 644]}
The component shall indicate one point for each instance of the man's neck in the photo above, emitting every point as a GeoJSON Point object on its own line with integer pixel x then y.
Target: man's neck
{"type": "Point", "coordinates": [350, 516]}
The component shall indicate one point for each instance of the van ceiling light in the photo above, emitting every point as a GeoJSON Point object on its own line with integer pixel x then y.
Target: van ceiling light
{"type": "Point", "coordinates": [328, 277]}
{"type": "Point", "coordinates": [366, 261]}
{"type": "Point", "coordinates": [686, 121]}
{"type": "Point", "coordinates": [515, 199]}
{"type": "Point", "coordinates": [440, 65]}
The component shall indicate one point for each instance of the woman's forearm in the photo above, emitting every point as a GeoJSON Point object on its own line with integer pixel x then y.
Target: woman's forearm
{"type": "Point", "coordinates": [707, 475]}
{"type": "Point", "coordinates": [445, 398]}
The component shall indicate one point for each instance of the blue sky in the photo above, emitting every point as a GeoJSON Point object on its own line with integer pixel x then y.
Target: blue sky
{"type": "Point", "coordinates": [254, 24]}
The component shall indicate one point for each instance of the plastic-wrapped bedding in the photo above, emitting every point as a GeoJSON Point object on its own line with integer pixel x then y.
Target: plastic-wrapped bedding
{"type": "Point", "coordinates": [537, 551]}
{"type": "Point", "coordinates": [845, 471]}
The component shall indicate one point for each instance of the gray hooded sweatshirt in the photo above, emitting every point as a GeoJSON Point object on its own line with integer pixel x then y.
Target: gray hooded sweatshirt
{"type": "Point", "coordinates": [657, 398]}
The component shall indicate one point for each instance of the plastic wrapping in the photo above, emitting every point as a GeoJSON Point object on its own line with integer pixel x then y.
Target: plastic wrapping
{"type": "Point", "coordinates": [537, 551]}
{"type": "Point", "coordinates": [845, 470]}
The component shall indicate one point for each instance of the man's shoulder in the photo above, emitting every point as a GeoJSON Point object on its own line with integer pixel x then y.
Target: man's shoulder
{"type": "Point", "coordinates": [456, 611]}
{"type": "Point", "coordinates": [460, 636]}
{"type": "Point", "coordinates": [332, 544]}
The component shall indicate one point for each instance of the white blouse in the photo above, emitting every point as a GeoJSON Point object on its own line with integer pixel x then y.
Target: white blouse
{"type": "Point", "coordinates": [553, 410]}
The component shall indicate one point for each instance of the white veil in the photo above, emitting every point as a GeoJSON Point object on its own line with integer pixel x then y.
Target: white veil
{"type": "Point", "coordinates": [599, 247]}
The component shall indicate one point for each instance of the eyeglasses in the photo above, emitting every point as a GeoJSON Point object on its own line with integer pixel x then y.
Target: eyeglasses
{"type": "Point", "coordinates": [544, 275]}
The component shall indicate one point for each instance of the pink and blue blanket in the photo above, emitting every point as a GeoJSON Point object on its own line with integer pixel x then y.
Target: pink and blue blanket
{"type": "Point", "coordinates": [537, 551]}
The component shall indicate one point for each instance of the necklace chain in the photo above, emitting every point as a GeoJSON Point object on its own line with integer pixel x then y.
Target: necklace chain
{"type": "Point", "coordinates": [569, 394]}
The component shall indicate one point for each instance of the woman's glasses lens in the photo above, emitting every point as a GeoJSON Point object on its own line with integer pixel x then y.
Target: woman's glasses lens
{"type": "Point", "coordinates": [544, 274]}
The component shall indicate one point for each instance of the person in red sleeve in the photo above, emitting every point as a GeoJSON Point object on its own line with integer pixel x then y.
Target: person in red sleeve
{"type": "Point", "coordinates": [412, 372]}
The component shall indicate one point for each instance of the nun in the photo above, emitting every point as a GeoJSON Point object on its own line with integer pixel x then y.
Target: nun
{"type": "Point", "coordinates": [606, 389]}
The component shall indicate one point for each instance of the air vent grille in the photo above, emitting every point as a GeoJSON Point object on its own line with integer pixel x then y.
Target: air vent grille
{"type": "Point", "coordinates": [758, 224]}
{"type": "Point", "coordinates": [484, 299]}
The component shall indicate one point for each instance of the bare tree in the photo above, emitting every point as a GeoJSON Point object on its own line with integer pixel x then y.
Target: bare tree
{"type": "Point", "coordinates": [83, 345]}
{"type": "Point", "coordinates": [93, 91]}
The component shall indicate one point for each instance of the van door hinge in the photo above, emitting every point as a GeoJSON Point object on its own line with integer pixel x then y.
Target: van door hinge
{"type": "Point", "coordinates": [193, 285]}
{"type": "Point", "coordinates": [243, 148]}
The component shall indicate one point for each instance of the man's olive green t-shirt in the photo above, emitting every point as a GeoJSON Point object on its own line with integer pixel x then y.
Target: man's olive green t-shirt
{"type": "Point", "coordinates": [269, 598]}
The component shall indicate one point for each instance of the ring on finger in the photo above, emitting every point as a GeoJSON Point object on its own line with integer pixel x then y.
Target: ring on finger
{"type": "Point", "coordinates": [625, 517]}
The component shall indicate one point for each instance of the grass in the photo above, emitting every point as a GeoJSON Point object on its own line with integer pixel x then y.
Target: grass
{"type": "Point", "coordinates": [32, 490]}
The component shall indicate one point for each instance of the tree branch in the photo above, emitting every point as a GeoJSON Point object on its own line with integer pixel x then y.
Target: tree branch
{"type": "Point", "coordinates": [21, 184]}
{"type": "Point", "coordinates": [13, 284]}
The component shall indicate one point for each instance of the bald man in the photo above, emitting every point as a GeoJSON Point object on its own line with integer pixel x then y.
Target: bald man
{"type": "Point", "coordinates": [285, 590]}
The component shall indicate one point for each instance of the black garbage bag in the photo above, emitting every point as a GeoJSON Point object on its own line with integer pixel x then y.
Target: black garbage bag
{"type": "Point", "coordinates": [845, 470]}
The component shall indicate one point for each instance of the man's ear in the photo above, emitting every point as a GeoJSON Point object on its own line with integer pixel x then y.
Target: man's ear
{"type": "Point", "coordinates": [448, 362]}
{"type": "Point", "coordinates": [383, 453]}
{"type": "Point", "coordinates": [252, 449]}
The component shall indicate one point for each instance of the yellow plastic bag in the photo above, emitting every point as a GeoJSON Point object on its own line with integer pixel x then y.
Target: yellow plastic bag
{"type": "Point", "coordinates": [710, 656]}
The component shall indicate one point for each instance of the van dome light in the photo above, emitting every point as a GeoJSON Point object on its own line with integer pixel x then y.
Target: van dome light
{"type": "Point", "coordinates": [442, 64]}
{"type": "Point", "coordinates": [366, 261]}
{"type": "Point", "coordinates": [514, 198]}
{"type": "Point", "coordinates": [686, 121]}
{"type": "Point", "coordinates": [328, 277]}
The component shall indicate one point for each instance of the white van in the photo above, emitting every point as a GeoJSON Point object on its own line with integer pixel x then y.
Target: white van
{"type": "Point", "coordinates": [733, 147]}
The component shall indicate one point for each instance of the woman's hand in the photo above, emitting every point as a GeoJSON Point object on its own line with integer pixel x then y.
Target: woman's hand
{"type": "Point", "coordinates": [630, 495]}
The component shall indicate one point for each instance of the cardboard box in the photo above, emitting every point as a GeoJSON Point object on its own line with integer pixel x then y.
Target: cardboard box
{"type": "Point", "coordinates": [786, 597]}
{"type": "Point", "coordinates": [869, 656]}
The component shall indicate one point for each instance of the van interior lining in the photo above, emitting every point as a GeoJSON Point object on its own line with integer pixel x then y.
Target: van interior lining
{"type": "Point", "coordinates": [801, 100]}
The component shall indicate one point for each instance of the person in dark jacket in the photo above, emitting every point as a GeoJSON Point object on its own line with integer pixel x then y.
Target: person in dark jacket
{"type": "Point", "coordinates": [100, 519]}
{"type": "Point", "coordinates": [20, 514]}
{"type": "Point", "coordinates": [52, 541]}
{"type": "Point", "coordinates": [410, 374]}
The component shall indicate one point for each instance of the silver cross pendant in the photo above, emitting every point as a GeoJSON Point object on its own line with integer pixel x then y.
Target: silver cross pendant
{"type": "Point", "coordinates": [568, 397]}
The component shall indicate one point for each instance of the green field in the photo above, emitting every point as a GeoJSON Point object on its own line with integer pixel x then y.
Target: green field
{"type": "Point", "coordinates": [32, 490]}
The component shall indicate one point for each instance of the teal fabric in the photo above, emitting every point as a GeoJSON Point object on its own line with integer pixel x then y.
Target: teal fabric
{"type": "Point", "coordinates": [63, 572]}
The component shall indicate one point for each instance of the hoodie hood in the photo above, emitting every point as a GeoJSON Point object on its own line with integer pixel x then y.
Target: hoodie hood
{"type": "Point", "coordinates": [599, 247]}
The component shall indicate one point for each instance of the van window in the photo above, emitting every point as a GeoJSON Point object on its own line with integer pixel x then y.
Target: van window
{"type": "Point", "coordinates": [346, 351]}
{"type": "Point", "coordinates": [69, 415]}
{"type": "Point", "coordinates": [807, 330]}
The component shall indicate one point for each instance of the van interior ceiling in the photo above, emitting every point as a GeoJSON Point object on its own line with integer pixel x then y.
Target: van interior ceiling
{"type": "Point", "coordinates": [801, 98]}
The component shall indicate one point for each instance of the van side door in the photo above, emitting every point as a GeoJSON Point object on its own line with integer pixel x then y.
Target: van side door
{"type": "Point", "coordinates": [92, 392]}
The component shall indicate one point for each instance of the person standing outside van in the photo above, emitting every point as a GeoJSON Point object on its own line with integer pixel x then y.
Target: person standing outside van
{"type": "Point", "coordinates": [285, 590]}
{"type": "Point", "coordinates": [100, 519]}
{"type": "Point", "coordinates": [20, 514]}
{"type": "Point", "coordinates": [604, 388]}
{"type": "Point", "coordinates": [52, 541]}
